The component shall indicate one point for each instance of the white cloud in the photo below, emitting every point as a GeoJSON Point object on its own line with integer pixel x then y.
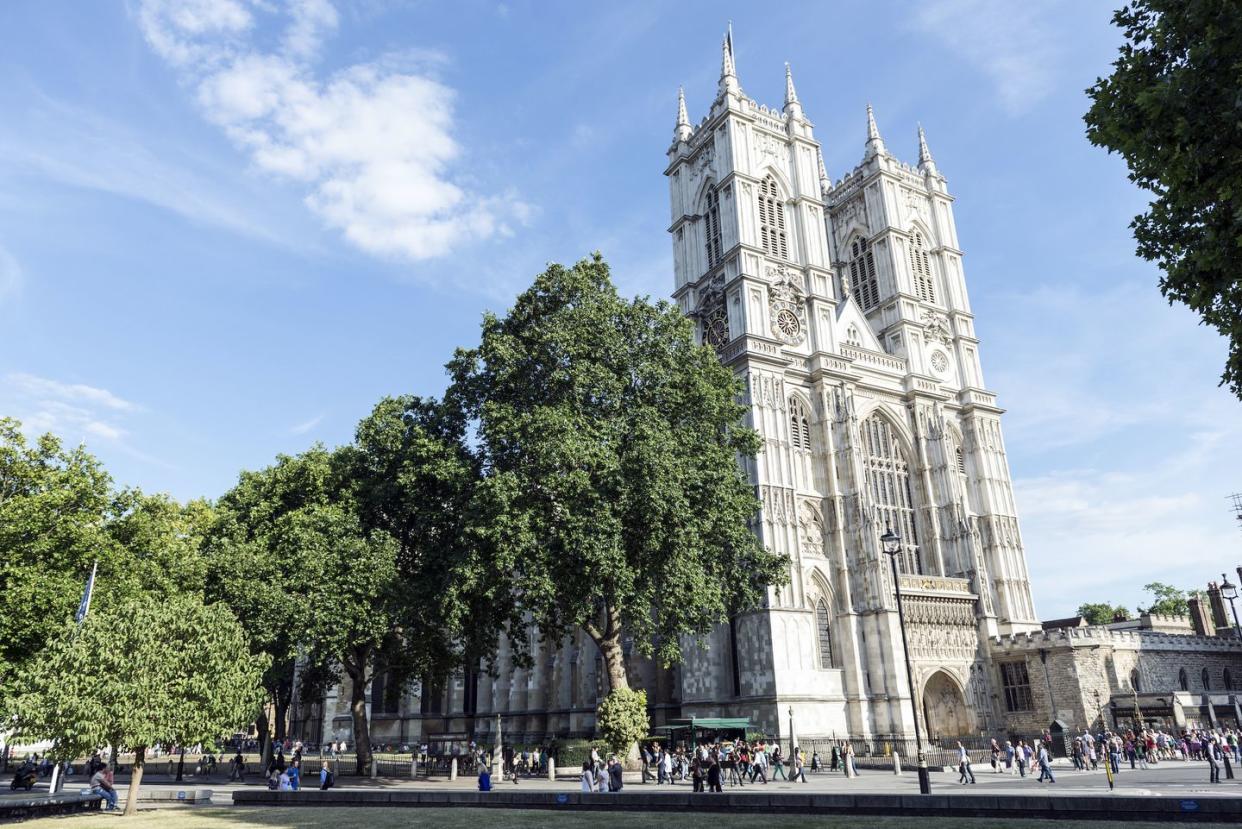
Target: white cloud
{"type": "Point", "coordinates": [372, 144]}
{"type": "Point", "coordinates": [1011, 43]}
{"type": "Point", "coordinates": [306, 425]}
{"type": "Point", "coordinates": [75, 412]}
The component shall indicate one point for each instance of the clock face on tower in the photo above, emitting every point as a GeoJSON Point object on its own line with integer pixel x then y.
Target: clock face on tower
{"type": "Point", "coordinates": [716, 328]}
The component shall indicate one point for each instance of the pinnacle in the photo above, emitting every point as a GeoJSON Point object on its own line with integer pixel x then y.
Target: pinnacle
{"type": "Point", "coordinates": [791, 94]}
{"type": "Point", "coordinates": [875, 144]}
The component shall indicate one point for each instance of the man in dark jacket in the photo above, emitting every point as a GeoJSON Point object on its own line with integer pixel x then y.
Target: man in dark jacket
{"type": "Point", "coordinates": [614, 774]}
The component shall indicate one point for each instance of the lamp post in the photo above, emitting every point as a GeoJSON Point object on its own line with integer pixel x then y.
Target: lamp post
{"type": "Point", "coordinates": [891, 544]}
{"type": "Point", "coordinates": [1230, 591]}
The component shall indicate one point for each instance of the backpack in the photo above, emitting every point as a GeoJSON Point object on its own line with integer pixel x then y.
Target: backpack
{"type": "Point", "coordinates": [329, 780]}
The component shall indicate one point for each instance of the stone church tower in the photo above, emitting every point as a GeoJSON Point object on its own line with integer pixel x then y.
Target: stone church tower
{"type": "Point", "coordinates": [843, 308]}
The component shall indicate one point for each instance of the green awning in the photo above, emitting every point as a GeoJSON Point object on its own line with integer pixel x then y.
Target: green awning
{"type": "Point", "coordinates": [741, 723]}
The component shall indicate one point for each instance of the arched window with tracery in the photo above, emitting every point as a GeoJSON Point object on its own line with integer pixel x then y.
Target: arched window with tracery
{"type": "Point", "coordinates": [888, 481]}
{"type": "Point", "coordinates": [920, 269]}
{"type": "Point", "coordinates": [823, 627]}
{"type": "Point", "coordinates": [772, 220]}
{"type": "Point", "coordinates": [711, 218]}
{"type": "Point", "coordinates": [862, 274]}
{"type": "Point", "coordinates": [799, 425]}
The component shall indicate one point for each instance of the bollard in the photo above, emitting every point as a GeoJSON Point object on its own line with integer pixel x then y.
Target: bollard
{"type": "Point", "coordinates": [896, 763]}
{"type": "Point", "coordinates": [374, 768]}
{"type": "Point", "coordinates": [453, 769]}
{"type": "Point", "coordinates": [551, 770]}
{"type": "Point", "coordinates": [413, 766]}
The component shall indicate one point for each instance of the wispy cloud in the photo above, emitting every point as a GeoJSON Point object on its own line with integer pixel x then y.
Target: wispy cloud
{"type": "Point", "coordinates": [1012, 43]}
{"type": "Point", "coordinates": [372, 144]}
{"type": "Point", "coordinates": [306, 425]}
{"type": "Point", "coordinates": [73, 411]}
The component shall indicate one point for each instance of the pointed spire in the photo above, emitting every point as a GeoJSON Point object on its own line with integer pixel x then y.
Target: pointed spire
{"type": "Point", "coordinates": [683, 130]}
{"type": "Point", "coordinates": [791, 94]}
{"type": "Point", "coordinates": [825, 184]}
{"type": "Point", "coordinates": [926, 163]}
{"type": "Point", "coordinates": [875, 144]}
{"type": "Point", "coordinates": [728, 70]}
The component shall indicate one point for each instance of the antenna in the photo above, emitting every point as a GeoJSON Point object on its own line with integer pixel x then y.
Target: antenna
{"type": "Point", "coordinates": [1236, 500]}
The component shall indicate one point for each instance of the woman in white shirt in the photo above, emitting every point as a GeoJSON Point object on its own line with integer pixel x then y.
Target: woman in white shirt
{"type": "Point", "coordinates": [588, 777]}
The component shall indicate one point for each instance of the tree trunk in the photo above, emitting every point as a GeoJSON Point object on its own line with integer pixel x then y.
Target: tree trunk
{"type": "Point", "coordinates": [358, 710]}
{"type": "Point", "coordinates": [264, 730]}
{"type": "Point", "coordinates": [284, 694]}
{"type": "Point", "coordinates": [135, 779]}
{"type": "Point", "coordinates": [608, 640]}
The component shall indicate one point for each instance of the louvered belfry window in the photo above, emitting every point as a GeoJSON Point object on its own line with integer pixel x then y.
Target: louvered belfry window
{"type": "Point", "coordinates": [772, 220]}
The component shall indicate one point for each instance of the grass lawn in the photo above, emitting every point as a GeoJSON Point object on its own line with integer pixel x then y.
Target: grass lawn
{"type": "Point", "coordinates": [464, 818]}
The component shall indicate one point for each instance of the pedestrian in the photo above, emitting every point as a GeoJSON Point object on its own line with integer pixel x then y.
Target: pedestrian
{"type": "Point", "coordinates": [1045, 761]}
{"type": "Point", "coordinates": [238, 770]}
{"type": "Point", "coordinates": [615, 775]}
{"type": "Point", "coordinates": [778, 765]}
{"type": "Point", "coordinates": [996, 750]}
{"type": "Point", "coordinates": [101, 784]}
{"type": "Point", "coordinates": [1214, 762]}
{"type": "Point", "coordinates": [797, 761]}
{"type": "Point", "coordinates": [648, 759]}
{"type": "Point", "coordinates": [1019, 757]}
{"type": "Point", "coordinates": [295, 774]}
{"type": "Point", "coordinates": [714, 773]}
{"type": "Point", "coordinates": [666, 766]}
{"type": "Point", "coordinates": [847, 755]}
{"type": "Point", "coordinates": [326, 777]}
{"type": "Point", "coordinates": [588, 776]}
{"type": "Point", "coordinates": [963, 765]}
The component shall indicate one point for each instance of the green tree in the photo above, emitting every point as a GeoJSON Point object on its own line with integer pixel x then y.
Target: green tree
{"type": "Point", "coordinates": [1167, 600]}
{"type": "Point", "coordinates": [612, 492]}
{"type": "Point", "coordinates": [166, 670]}
{"type": "Point", "coordinates": [1170, 109]}
{"type": "Point", "coordinates": [1101, 613]}
{"type": "Point", "coordinates": [158, 545]}
{"type": "Point", "coordinates": [54, 507]}
{"type": "Point", "coordinates": [621, 719]}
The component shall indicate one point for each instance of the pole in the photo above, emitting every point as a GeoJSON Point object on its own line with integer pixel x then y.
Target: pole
{"type": "Point", "coordinates": [924, 778]}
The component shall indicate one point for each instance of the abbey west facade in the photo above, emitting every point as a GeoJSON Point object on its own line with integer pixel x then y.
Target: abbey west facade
{"type": "Point", "coordinates": [843, 307]}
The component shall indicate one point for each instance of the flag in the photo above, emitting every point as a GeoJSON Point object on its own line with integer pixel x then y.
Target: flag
{"type": "Point", "coordinates": [85, 605]}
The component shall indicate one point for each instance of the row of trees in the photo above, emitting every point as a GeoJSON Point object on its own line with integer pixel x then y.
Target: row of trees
{"type": "Point", "coordinates": [1166, 600]}
{"type": "Point", "coordinates": [580, 472]}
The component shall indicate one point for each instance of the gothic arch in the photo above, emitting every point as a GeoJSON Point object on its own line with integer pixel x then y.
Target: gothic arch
{"type": "Point", "coordinates": [944, 705]}
{"type": "Point", "coordinates": [782, 183]}
{"type": "Point", "coordinates": [896, 419]}
{"type": "Point", "coordinates": [891, 485]}
{"type": "Point", "coordinates": [801, 417]}
{"type": "Point", "coordinates": [821, 587]}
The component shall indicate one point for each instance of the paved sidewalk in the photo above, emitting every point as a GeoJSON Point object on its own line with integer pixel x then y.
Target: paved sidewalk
{"type": "Point", "coordinates": [1169, 779]}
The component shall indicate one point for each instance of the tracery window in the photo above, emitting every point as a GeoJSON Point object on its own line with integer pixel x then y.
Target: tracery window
{"type": "Point", "coordinates": [862, 274]}
{"type": "Point", "coordinates": [772, 220]}
{"type": "Point", "coordinates": [823, 622]}
{"type": "Point", "coordinates": [712, 219]}
{"type": "Point", "coordinates": [888, 479]}
{"type": "Point", "coordinates": [921, 269]}
{"type": "Point", "coordinates": [1017, 685]}
{"type": "Point", "coordinates": [799, 425]}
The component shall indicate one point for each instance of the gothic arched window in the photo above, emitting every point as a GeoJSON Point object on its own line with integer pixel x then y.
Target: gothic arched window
{"type": "Point", "coordinates": [920, 269]}
{"type": "Point", "coordinates": [772, 220]}
{"type": "Point", "coordinates": [712, 219]}
{"type": "Point", "coordinates": [1134, 681]}
{"type": "Point", "coordinates": [961, 461]}
{"type": "Point", "coordinates": [888, 480]}
{"type": "Point", "coordinates": [1183, 681]}
{"type": "Point", "coordinates": [862, 274]}
{"type": "Point", "coordinates": [799, 425]}
{"type": "Point", "coordinates": [852, 337]}
{"type": "Point", "coordinates": [1205, 679]}
{"type": "Point", "coordinates": [823, 627]}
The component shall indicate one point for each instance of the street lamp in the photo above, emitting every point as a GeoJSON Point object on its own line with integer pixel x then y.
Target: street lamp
{"type": "Point", "coordinates": [1230, 592]}
{"type": "Point", "coordinates": [891, 544]}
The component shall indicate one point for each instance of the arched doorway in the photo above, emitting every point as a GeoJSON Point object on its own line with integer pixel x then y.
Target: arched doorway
{"type": "Point", "coordinates": [945, 707]}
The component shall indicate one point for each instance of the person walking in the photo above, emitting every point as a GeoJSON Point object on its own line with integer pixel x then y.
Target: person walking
{"type": "Point", "coordinates": [714, 773]}
{"type": "Point", "coordinates": [996, 751]}
{"type": "Point", "coordinates": [778, 764]}
{"type": "Point", "coordinates": [1019, 757]}
{"type": "Point", "coordinates": [295, 773]}
{"type": "Point", "coordinates": [588, 776]}
{"type": "Point", "coordinates": [648, 760]}
{"type": "Point", "coordinates": [326, 777]}
{"type": "Point", "coordinates": [1213, 758]}
{"type": "Point", "coordinates": [238, 768]}
{"type": "Point", "coordinates": [963, 765]}
{"type": "Point", "coordinates": [666, 766]}
{"type": "Point", "coordinates": [615, 781]}
{"type": "Point", "coordinates": [799, 765]}
{"type": "Point", "coordinates": [1045, 764]}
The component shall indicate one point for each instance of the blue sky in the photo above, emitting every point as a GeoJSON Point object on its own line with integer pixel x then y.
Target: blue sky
{"type": "Point", "coordinates": [207, 257]}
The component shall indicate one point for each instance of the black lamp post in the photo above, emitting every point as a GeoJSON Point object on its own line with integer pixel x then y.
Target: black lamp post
{"type": "Point", "coordinates": [1230, 591]}
{"type": "Point", "coordinates": [891, 544]}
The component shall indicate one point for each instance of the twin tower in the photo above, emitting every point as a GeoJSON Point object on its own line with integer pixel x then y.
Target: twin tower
{"type": "Point", "coordinates": [843, 308]}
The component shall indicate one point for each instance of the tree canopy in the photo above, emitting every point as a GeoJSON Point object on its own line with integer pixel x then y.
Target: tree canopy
{"type": "Point", "coordinates": [1170, 109]}
{"type": "Point", "coordinates": [1167, 599]}
{"type": "Point", "coordinates": [168, 671]}
{"type": "Point", "coordinates": [1102, 613]}
{"type": "Point", "coordinates": [609, 445]}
